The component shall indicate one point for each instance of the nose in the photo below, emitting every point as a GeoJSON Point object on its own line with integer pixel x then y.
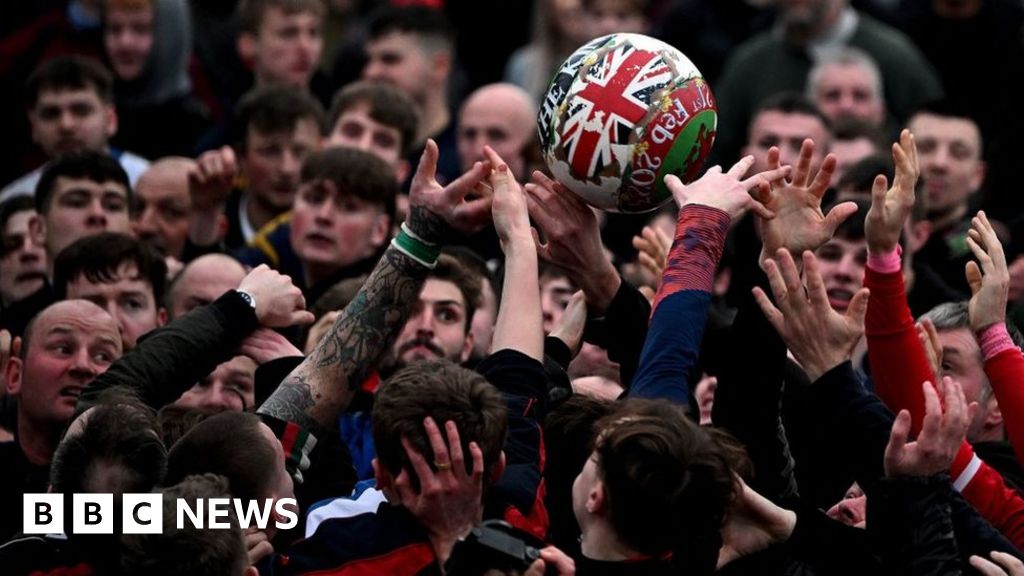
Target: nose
{"type": "Point", "coordinates": [424, 322]}
{"type": "Point", "coordinates": [848, 267]}
{"type": "Point", "coordinates": [145, 224]}
{"type": "Point", "coordinates": [67, 121]}
{"type": "Point", "coordinates": [97, 216]}
{"type": "Point", "coordinates": [82, 367]}
{"type": "Point", "coordinates": [290, 164]}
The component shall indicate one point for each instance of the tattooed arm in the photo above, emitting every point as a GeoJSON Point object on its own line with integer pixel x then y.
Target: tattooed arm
{"type": "Point", "coordinates": [320, 388]}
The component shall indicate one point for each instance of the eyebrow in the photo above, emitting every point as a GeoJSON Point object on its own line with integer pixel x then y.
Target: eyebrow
{"type": "Point", "coordinates": [455, 303]}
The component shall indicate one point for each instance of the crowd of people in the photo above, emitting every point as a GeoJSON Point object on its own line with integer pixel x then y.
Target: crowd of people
{"type": "Point", "coordinates": [308, 251]}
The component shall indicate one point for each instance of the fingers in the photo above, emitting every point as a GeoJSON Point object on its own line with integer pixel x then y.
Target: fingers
{"type": "Point", "coordinates": [302, 318]}
{"type": "Point", "coordinates": [898, 437]}
{"type": "Point", "coordinates": [823, 178]}
{"type": "Point", "coordinates": [455, 449]}
{"type": "Point", "coordinates": [773, 158]}
{"type": "Point", "coordinates": [1012, 565]}
{"type": "Point", "coordinates": [974, 277]}
{"type": "Point", "coordinates": [815, 285]}
{"type": "Point", "coordinates": [954, 421]}
{"type": "Point", "coordinates": [776, 281]}
{"type": "Point", "coordinates": [838, 214]}
{"type": "Point", "coordinates": [740, 168]}
{"type": "Point", "coordinates": [437, 444]}
{"type": "Point", "coordinates": [678, 189]}
{"type": "Point", "coordinates": [879, 188]}
{"type": "Point", "coordinates": [426, 171]}
{"type": "Point", "coordinates": [932, 412]}
{"type": "Point", "coordinates": [790, 274]}
{"type": "Point", "coordinates": [419, 463]}
{"type": "Point", "coordinates": [986, 568]}
{"type": "Point", "coordinates": [772, 313]}
{"type": "Point", "coordinates": [768, 176]}
{"type": "Point", "coordinates": [560, 560]}
{"type": "Point", "coordinates": [858, 308]}
{"type": "Point", "coordinates": [803, 164]}
{"type": "Point", "coordinates": [461, 186]}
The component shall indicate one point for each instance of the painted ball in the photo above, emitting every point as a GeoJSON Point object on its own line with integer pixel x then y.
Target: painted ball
{"type": "Point", "coordinates": [623, 112]}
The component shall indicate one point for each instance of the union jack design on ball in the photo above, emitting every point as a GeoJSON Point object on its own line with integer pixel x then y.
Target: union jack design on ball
{"type": "Point", "coordinates": [622, 112]}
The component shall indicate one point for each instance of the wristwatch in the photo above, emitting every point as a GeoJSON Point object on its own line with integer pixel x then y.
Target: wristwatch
{"type": "Point", "coordinates": [249, 299]}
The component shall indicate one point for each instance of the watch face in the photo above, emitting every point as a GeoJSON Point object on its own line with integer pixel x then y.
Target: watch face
{"type": "Point", "coordinates": [248, 298]}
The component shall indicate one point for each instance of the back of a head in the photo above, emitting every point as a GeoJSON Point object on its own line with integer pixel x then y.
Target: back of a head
{"type": "Point", "coordinates": [443, 391]}
{"type": "Point", "coordinates": [96, 167]}
{"type": "Point", "coordinates": [431, 27]}
{"type": "Point", "coordinates": [386, 104]}
{"type": "Point", "coordinates": [232, 445]}
{"type": "Point", "coordinates": [66, 73]}
{"type": "Point", "coordinates": [274, 110]}
{"type": "Point", "coordinates": [98, 259]}
{"type": "Point", "coordinates": [355, 173]}
{"type": "Point", "coordinates": [187, 550]}
{"type": "Point", "coordinates": [113, 448]}
{"type": "Point", "coordinates": [669, 482]}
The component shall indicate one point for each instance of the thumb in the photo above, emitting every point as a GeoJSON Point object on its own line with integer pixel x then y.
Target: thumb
{"type": "Point", "coordinates": [858, 308]}
{"type": "Point", "coordinates": [426, 171]}
{"type": "Point", "coordinates": [838, 214]}
{"type": "Point", "coordinates": [677, 188]}
{"type": "Point", "coordinates": [878, 189]}
{"type": "Point", "coordinates": [302, 317]}
{"type": "Point", "coordinates": [974, 276]}
{"type": "Point", "coordinates": [897, 437]}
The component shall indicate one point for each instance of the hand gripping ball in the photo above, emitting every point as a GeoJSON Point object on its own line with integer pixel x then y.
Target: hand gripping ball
{"type": "Point", "coordinates": [623, 112]}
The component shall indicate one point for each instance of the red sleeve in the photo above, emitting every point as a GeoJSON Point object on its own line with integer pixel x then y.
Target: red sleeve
{"type": "Point", "coordinates": [1005, 372]}
{"type": "Point", "coordinates": [898, 362]}
{"type": "Point", "coordinates": [985, 489]}
{"type": "Point", "coordinates": [898, 367]}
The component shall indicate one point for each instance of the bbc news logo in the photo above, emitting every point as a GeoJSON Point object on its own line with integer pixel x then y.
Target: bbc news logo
{"type": "Point", "coordinates": [143, 514]}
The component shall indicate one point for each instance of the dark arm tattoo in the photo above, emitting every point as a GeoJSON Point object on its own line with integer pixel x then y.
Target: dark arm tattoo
{"type": "Point", "coordinates": [321, 387]}
{"type": "Point", "coordinates": [429, 226]}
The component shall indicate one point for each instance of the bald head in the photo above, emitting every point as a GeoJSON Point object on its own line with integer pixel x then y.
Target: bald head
{"type": "Point", "coordinates": [163, 206]}
{"type": "Point", "coordinates": [204, 280]}
{"type": "Point", "coordinates": [66, 346]}
{"type": "Point", "coordinates": [501, 116]}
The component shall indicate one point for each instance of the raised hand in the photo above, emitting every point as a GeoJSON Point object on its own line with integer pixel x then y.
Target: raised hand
{"type": "Point", "coordinates": [929, 338]}
{"type": "Point", "coordinates": [725, 190]}
{"type": "Point", "coordinates": [570, 327]}
{"type": "Point", "coordinates": [449, 500]}
{"type": "Point", "coordinates": [508, 207]}
{"type": "Point", "coordinates": [279, 303]}
{"type": "Point", "coordinates": [754, 523]}
{"type": "Point", "coordinates": [944, 429]}
{"type": "Point", "coordinates": [438, 213]}
{"type": "Point", "coordinates": [572, 239]}
{"type": "Point", "coordinates": [891, 207]}
{"type": "Point", "coordinates": [990, 283]}
{"type": "Point", "coordinates": [799, 223]}
{"type": "Point", "coordinates": [819, 337]}
{"type": "Point", "coordinates": [210, 183]}
{"type": "Point", "coordinates": [652, 247]}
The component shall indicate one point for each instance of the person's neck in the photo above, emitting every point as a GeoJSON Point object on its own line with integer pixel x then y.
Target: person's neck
{"type": "Point", "coordinates": [259, 213]}
{"type": "Point", "coordinates": [942, 221]}
{"type": "Point", "coordinates": [804, 36]}
{"type": "Point", "coordinates": [38, 441]}
{"type": "Point", "coordinates": [599, 542]}
{"type": "Point", "coordinates": [436, 118]}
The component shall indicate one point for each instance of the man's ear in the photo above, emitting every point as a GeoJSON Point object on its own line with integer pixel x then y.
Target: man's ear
{"type": "Point", "coordinates": [920, 232]}
{"type": "Point", "coordinates": [994, 418]}
{"type": "Point", "coordinates": [381, 476]}
{"type": "Point", "coordinates": [110, 121]}
{"type": "Point", "coordinates": [37, 229]}
{"type": "Point", "coordinates": [596, 499]}
{"type": "Point", "coordinates": [12, 375]}
{"type": "Point", "coordinates": [498, 470]}
{"type": "Point", "coordinates": [402, 170]}
{"type": "Point", "coordinates": [467, 346]}
{"type": "Point", "coordinates": [381, 230]}
{"type": "Point", "coordinates": [161, 316]}
{"type": "Point", "coordinates": [441, 65]}
{"type": "Point", "coordinates": [978, 178]}
{"type": "Point", "coordinates": [246, 46]}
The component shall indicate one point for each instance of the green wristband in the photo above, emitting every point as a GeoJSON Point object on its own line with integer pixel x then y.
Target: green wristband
{"type": "Point", "coordinates": [416, 249]}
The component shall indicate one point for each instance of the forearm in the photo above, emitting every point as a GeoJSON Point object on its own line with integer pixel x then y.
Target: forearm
{"type": "Point", "coordinates": [322, 386]}
{"type": "Point", "coordinates": [519, 324]}
{"type": "Point", "coordinates": [624, 330]}
{"type": "Point", "coordinates": [898, 362]}
{"type": "Point", "coordinates": [169, 360]}
{"type": "Point", "coordinates": [1004, 366]}
{"type": "Point", "coordinates": [681, 305]}
{"type": "Point", "coordinates": [204, 229]}
{"type": "Point", "coordinates": [599, 286]}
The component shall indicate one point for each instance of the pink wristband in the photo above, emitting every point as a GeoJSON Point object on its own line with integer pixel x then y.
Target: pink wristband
{"type": "Point", "coordinates": [994, 339]}
{"type": "Point", "coordinates": [886, 263]}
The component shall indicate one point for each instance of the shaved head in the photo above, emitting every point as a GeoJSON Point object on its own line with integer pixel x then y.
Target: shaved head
{"type": "Point", "coordinates": [204, 280]}
{"type": "Point", "coordinates": [501, 116]}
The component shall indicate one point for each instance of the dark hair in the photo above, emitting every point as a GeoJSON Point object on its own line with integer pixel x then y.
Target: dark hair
{"type": "Point", "coordinates": [429, 25]}
{"type": "Point", "coordinates": [860, 177]}
{"type": "Point", "coordinates": [274, 110]}
{"type": "Point", "coordinates": [792, 103]}
{"type": "Point", "coordinates": [99, 259]}
{"type": "Point", "coordinates": [117, 451]}
{"type": "Point", "coordinates": [852, 229]}
{"type": "Point", "coordinates": [668, 482]}
{"type": "Point", "coordinates": [450, 269]}
{"type": "Point", "coordinates": [354, 172]}
{"type": "Point", "coordinates": [251, 12]}
{"type": "Point", "coordinates": [230, 444]}
{"type": "Point", "coordinates": [445, 392]}
{"type": "Point", "coordinates": [388, 105]}
{"type": "Point", "coordinates": [478, 267]}
{"type": "Point", "coordinates": [187, 550]}
{"type": "Point", "coordinates": [174, 421]}
{"type": "Point", "coordinates": [12, 206]}
{"type": "Point", "coordinates": [69, 73]}
{"type": "Point", "coordinates": [96, 167]}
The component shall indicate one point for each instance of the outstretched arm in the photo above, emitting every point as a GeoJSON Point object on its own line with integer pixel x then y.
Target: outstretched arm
{"type": "Point", "coordinates": [707, 206]}
{"type": "Point", "coordinates": [322, 386]}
